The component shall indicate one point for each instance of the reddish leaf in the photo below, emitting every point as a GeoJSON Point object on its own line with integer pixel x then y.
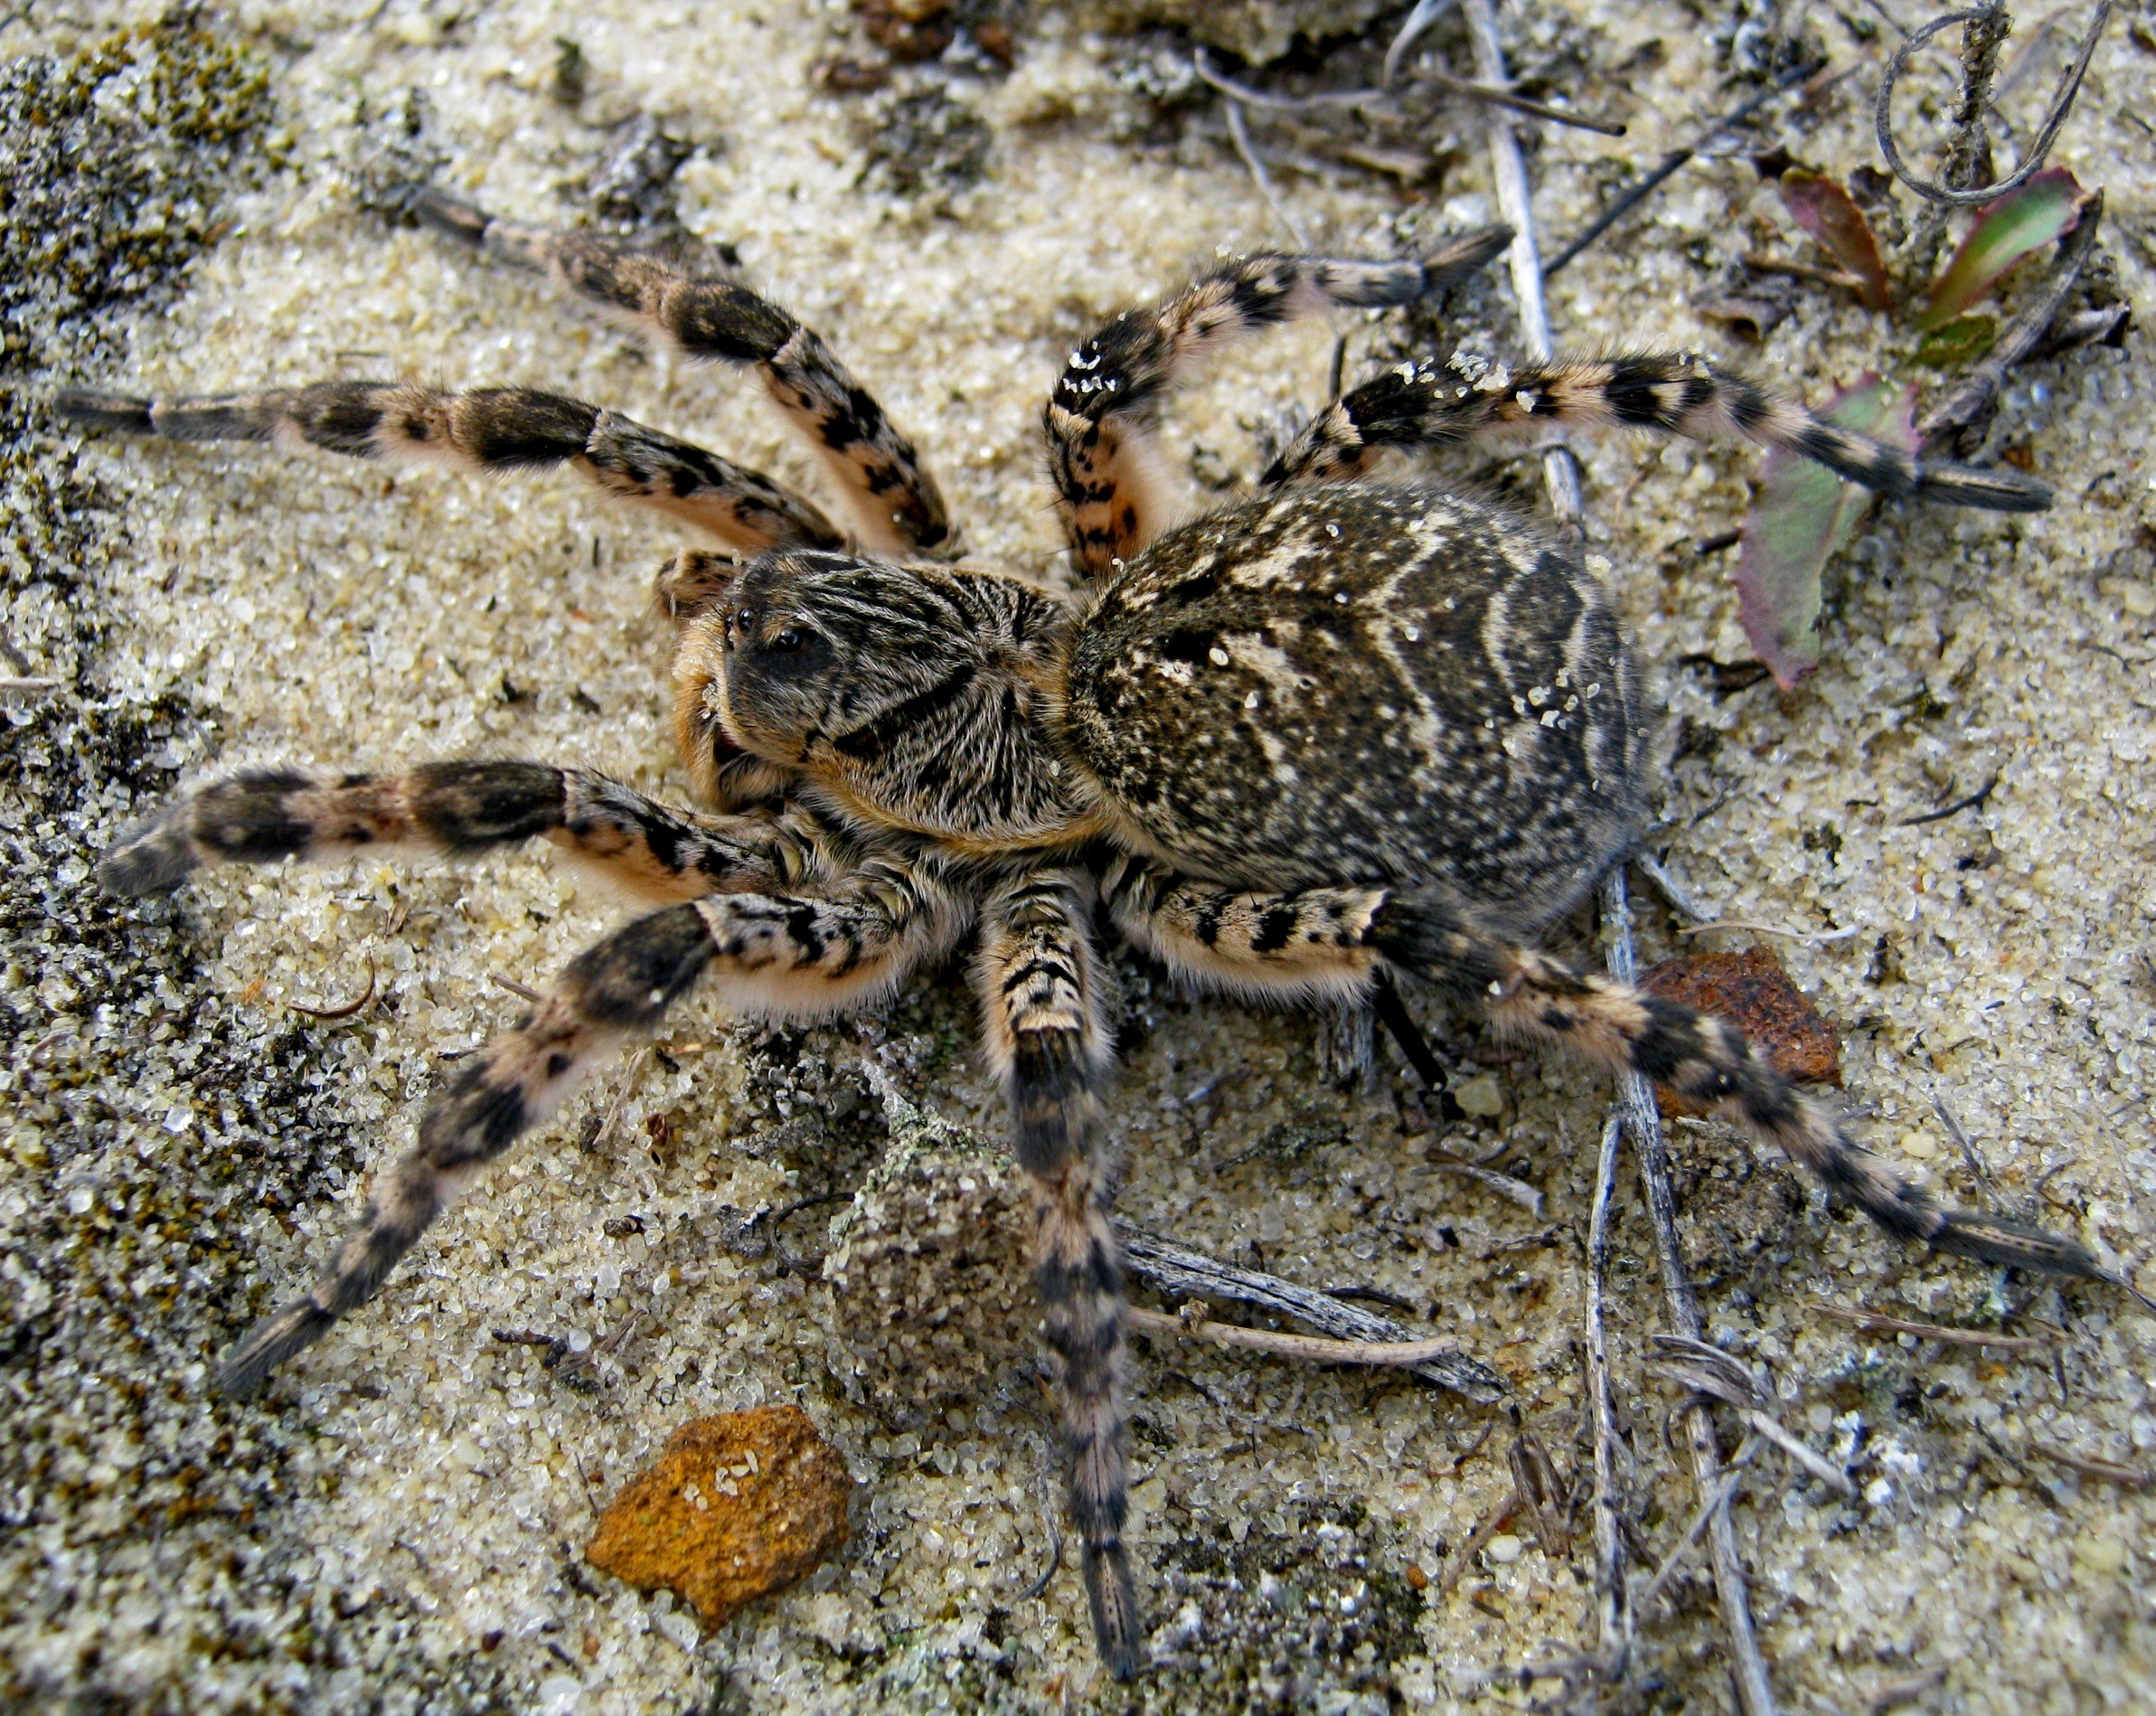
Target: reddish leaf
{"type": "Point", "coordinates": [1824, 209]}
{"type": "Point", "coordinates": [1803, 515]}
{"type": "Point", "coordinates": [2024, 220]}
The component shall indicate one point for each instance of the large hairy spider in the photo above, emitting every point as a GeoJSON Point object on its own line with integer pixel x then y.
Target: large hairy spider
{"type": "Point", "coordinates": [1332, 731]}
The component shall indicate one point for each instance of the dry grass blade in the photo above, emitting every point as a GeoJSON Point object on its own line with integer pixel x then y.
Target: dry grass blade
{"type": "Point", "coordinates": [1542, 1493]}
{"type": "Point", "coordinates": [2131, 1477]}
{"type": "Point", "coordinates": [1883, 1325]}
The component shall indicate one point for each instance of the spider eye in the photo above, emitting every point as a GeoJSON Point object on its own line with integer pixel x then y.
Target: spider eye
{"type": "Point", "coordinates": [787, 642]}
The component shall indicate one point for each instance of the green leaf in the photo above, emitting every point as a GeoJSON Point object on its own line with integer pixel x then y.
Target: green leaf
{"type": "Point", "coordinates": [2026, 219]}
{"type": "Point", "coordinates": [1824, 209]}
{"type": "Point", "coordinates": [1960, 340]}
{"type": "Point", "coordinates": [1803, 516]}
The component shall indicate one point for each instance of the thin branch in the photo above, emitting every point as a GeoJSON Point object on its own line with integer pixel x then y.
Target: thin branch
{"type": "Point", "coordinates": [1972, 801]}
{"type": "Point", "coordinates": [1934, 1332]}
{"type": "Point", "coordinates": [1239, 134]}
{"type": "Point", "coordinates": [1687, 902]}
{"type": "Point", "coordinates": [1490, 96]}
{"type": "Point", "coordinates": [1710, 1505]}
{"type": "Point", "coordinates": [2132, 1478]}
{"type": "Point", "coordinates": [1966, 145]}
{"type": "Point", "coordinates": [366, 997]}
{"type": "Point", "coordinates": [1184, 1273]}
{"type": "Point", "coordinates": [1478, 1541]}
{"type": "Point", "coordinates": [1814, 937]}
{"type": "Point", "coordinates": [1640, 190]}
{"type": "Point", "coordinates": [1560, 473]}
{"type": "Point", "coordinates": [1426, 14]}
{"type": "Point", "coordinates": [1202, 65]}
{"type": "Point", "coordinates": [1613, 1606]}
{"type": "Point", "coordinates": [1961, 1141]}
{"type": "Point", "coordinates": [2062, 105]}
{"type": "Point", "coordinates": [1643, 1122]}
{"type": "Point", "coordinates": [1404, 1354]}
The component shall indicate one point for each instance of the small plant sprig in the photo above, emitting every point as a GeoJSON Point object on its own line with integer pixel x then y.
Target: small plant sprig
{"type": "Point", "coordinates": [1803, 515]}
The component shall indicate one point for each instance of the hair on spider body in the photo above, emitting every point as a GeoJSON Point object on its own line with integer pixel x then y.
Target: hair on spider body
{"type": "Point", "coordinates": [1334, 733]}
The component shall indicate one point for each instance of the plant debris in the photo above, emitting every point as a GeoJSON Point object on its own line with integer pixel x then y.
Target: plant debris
{"type": "Point", "coordinates": [1752, 991]}
{"type": "Point", "coordinates": [1805, 516]}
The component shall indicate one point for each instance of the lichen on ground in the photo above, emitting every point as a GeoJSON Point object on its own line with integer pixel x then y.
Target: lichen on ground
{"type": "Point", "coordinates": [397, 1526]}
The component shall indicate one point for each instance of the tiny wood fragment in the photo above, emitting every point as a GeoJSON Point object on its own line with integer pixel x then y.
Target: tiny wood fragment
{"type": "Point", "coordinates": [1752, 992]}
{"type": "Point", "coordinates": [736, 1507]}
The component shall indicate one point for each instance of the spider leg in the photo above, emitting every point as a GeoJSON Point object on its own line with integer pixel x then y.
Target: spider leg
{"type": "Point", "coordinates": [1432, 404]}
{"type": "Point", "coordinates": [1327, 943]}
{"type": "Point", "coordinates": [1101, 419]}
{"type": "Point", "coordinates": [899, 506]}
{"type": "Point", "coordinates": [262, 815]}
{"type": "Point", "coordinates": [1044, 1002]}
{"type": "Point", "coordinates": [1312, 945]}
{"type": "Point", "coordinates": [1529, 994]}
{"type": "Point", "coordinates": [776, 953]}
{"type": "Point", "coordinates": [485, 428]}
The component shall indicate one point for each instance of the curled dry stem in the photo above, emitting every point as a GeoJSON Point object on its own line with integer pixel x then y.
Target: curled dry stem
{"type": "Point", "coordinates": [2062, 105]}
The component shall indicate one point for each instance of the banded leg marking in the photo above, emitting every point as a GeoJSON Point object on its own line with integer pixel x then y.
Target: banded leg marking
{"type": "Point", "coordinates": [1100, 419]}
{"type": "Point", "coordinates": [1042, 1002]}
{"type": "Point", "coordinates": [899, 505]}
{"type": "Point", "coordinates": [1529, 994]}
{"type": "Point", "coordinates": [262, 815]}
{"type": "Point", "coordinates": [1431, 404]}
{"type": "Point", "coordinates": [1309, 944]}
{"type": "Point", "coordinates": [784, 954]}
{"type": "Point", "coordinates": [485, 429]}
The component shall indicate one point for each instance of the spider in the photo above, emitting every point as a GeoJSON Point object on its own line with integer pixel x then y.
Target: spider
{"type": "Point", "coordinates": [1337, 731]}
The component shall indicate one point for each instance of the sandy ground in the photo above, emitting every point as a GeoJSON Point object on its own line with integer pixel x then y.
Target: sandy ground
{"type": "Point", "coordinates": [397, 1526]}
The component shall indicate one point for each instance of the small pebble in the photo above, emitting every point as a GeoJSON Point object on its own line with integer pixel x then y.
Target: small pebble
{"type": "Point", "coordinates": [2105, 1555]}
{"type": "Point", "coordinates": [1481, 1095]}
{"type": "Point", "coordinates": [758, 1533]}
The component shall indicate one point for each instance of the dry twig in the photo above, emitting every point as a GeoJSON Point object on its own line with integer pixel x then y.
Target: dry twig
{"type": "Point", "coordinates": [1405, 1354]}
{"type": "Point", "coordinates": [2062, 104]}
{"type": "Point", "coordinates": [1184, 1273]}
{"type": "Point", "coordinates": [1560, 474]}
{"type": "Point", "coordinates": [1934, 1332]}
{"type": "Point", "coordinates": [1815, 937]}
{"type": "Point", "coordinates": [2132, 1478]}
{"type": "Point", "coordinates": [349, 1009]}
{"type": "Point", "coordinates": [1613, 1606]}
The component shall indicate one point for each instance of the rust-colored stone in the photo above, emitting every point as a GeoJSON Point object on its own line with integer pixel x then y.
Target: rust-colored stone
{"type": "Point", "coordinates": [735, 1506]}
{"type": "Point", "coordinates": [1752, 992]}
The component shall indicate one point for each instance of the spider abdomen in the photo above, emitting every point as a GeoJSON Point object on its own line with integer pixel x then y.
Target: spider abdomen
{"type": "Point", "coordinates": [1385, 684]}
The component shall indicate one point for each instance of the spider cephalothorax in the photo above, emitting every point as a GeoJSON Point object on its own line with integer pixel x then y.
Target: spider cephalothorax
{"type": "Point", "coordinates": [1329, 733]}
